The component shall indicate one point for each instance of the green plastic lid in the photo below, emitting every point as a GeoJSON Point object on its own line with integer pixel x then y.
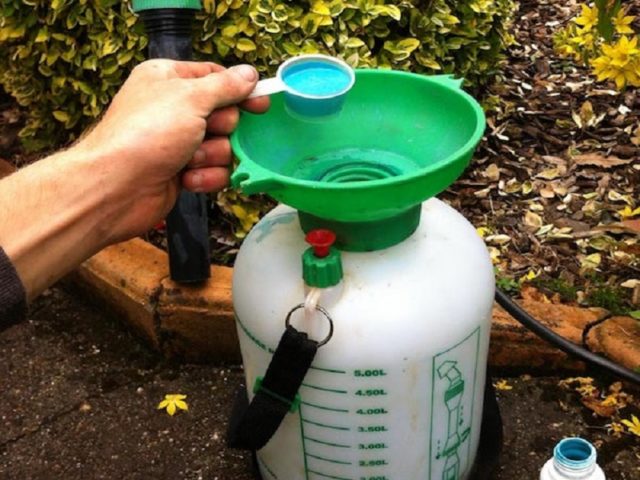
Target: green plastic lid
{"type": "Point", "coordinates": [140, 5]}
{"type": "Point", "coordinates": [322, 263]}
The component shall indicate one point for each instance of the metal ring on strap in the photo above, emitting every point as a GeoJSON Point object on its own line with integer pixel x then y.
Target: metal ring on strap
{"type": "Point", "coordinates": [287, 322]}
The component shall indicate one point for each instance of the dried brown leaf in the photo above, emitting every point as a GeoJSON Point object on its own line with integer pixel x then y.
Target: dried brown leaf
{"type": "Point", "coordinates": [492, 172]}
{"type": "Point", "coordinates": [600, 160]}
{"type": "Point", "coordinates": [598, 408]}
{"type": "Point", "coordinates": [549, 173]}
{"type": "Point", "coordinates": [633, 225]}
{"type": "Point", "coordinates": [533, 220]}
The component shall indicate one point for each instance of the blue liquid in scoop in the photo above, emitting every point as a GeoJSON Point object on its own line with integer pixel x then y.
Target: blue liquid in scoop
{"type": "Point", "coordinates": [316, 78]}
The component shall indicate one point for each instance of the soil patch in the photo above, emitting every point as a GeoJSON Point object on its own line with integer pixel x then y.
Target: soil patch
{"type": "Point", "coordinates": [80, 394]}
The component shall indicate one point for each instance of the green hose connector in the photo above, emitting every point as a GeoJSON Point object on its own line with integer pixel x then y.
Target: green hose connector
{"type": "Point", "coordinates": [141, 5]}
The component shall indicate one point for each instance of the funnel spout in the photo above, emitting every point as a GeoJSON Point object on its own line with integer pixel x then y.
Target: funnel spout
{"type": "Point", "coordinates": [254, 181]}
{"type": "Point", "coordinates": [448, 80]}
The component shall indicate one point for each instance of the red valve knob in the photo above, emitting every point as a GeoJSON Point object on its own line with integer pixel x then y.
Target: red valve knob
{"type": "Point", "coordinates": [321, 241]}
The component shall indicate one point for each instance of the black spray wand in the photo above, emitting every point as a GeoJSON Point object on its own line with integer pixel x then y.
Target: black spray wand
{"type": "Point", "coordinates": [168, 24]}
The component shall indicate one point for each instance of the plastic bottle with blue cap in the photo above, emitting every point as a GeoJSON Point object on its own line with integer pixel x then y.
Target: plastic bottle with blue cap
{"type": "Point", "coordinates": [573, 458]}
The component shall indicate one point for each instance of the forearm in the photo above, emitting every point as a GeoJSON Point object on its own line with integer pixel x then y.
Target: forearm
{"type": "Point", "coordinates": [54, 214]}
{"type": "Point", "coordinates": [125, 175]}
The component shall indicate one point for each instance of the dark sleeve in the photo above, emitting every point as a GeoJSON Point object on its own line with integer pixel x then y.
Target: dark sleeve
{"type": "Point", "coordinates": [13, 298]}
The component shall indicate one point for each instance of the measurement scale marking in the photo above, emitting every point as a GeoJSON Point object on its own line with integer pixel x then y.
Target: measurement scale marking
{"type": "Point", "coordinates": [324, 389]}
{"type": "Point", "coordinates": [252, 337]}
{"type": "Point", "coordinates": [339, 462]}
{"type": "Point", "coordinates": [328, 476]}
{"type": "Point", "coordinates": [333, 427]}
{"type": "Point", "coordinates": [329, 370]}
{"type": "Point", "coordinates": [339, 410]}
{"type": "Point", "coordinates": [326, 443]}
{"type": "Point", "coordinates": [304, 448]}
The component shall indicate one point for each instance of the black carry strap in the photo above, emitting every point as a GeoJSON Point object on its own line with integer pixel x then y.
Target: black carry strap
{"type": "Point", "coordinates": [252, 426]}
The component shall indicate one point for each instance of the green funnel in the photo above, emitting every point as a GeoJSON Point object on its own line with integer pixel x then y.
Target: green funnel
{"type": "Point", "coordinates": [400, 138]}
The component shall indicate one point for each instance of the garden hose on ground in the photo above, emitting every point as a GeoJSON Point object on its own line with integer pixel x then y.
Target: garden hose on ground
{"type": "Point", "coordinates": [563, 344]}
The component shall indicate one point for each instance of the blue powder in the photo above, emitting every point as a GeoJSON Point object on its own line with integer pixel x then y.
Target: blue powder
{"type": "Point", "coordinates": [316, 78]}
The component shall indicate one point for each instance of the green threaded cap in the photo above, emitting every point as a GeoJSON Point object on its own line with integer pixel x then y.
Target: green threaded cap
{"type": "Point", "coordinates": [322, 272]}
{"type": "Point", "coordinates": [321, 264]}
{"type": "Point", "coordinates": [141, 5]}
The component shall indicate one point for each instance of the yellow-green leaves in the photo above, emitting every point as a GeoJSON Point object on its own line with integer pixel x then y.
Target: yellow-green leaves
{"type": "Point", "coordinates": [172, 403]}
{"type": "Point", "coordinates": [401, 49]}
{"type": "Point", "coordinates": [10, 32]}
{"type": "Point", "coordinates": [354, 42]}
{"type": "Point", "coordinates": [45, 52]}
{"type": "Point", "coordinates": [109, 46]}
{"type": "Point", "coordinates": [320, 7]}
{"type": "Point", "coordinates": [61, 116]}
{"type": "Point", "coordinates": [386, 10]}
{"type": "Point", "coordinates": [245, 45]}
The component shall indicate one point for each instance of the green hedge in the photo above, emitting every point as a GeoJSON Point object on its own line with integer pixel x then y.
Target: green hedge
{"type": "Point", "coordinates": [64, 59]}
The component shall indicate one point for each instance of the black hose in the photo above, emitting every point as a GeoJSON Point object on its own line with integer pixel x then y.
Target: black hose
{"type": "Point", "coordinates": [562, 343]}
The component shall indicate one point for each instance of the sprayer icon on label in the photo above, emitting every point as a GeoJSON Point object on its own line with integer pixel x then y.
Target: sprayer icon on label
{"type": "Point", "coordinates": [454, 381]}
{"type": "Point", "coordinates": [453, 401]}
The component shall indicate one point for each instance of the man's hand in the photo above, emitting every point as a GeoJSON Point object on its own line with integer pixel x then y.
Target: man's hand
{"type": "Point", "coordinates": [153, 136]}
{"type": "Point", "coordinates": [125, 174]}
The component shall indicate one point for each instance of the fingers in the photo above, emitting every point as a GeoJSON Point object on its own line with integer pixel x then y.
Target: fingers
{"type": "Point", "coordinates": [256, 105]}
{"type": "Point", "coordinates": [162, 68]}
{"type": "Point", "coordinates": [223, 121]}
{"type": "Point", "coordinates": [208, 169]}
{"type": "Point", "coordinates": [224, 88]}
{"type": "Point", "coordinates": [196, 69]}
{"type": "Point", "coordinates": [206, 179]}
{"type": "Point", "coordinates": [202, 69]}
{"type": "Point", "coordinates": [215, 152]}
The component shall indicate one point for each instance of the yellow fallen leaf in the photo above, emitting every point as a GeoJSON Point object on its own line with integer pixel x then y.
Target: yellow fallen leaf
{"type": "Point", "coordinates": [530, 275]}
{"type": "Point", "coordinates": [483, 231]}
{"type": "Point", "coordinates": [591, 262]}
{"type": "Point", "coordinates": [502, 385]}
{"type": "Point", "coordinates": [609, 401]}
{"type": "Point", "coordinates": [615, 429]}
{"type": "Point", "coordinates": [494, 254]}
{"type": "Point", "coordinates": [633, 425]}
{"type": "Point", "coordinates": [628, 212]}
{"type": "Point", "coordinates": [172, 403]}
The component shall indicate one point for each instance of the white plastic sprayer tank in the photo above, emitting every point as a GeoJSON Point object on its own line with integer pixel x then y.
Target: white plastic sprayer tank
{"type": "Point", "coordinates": [397, 392]}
